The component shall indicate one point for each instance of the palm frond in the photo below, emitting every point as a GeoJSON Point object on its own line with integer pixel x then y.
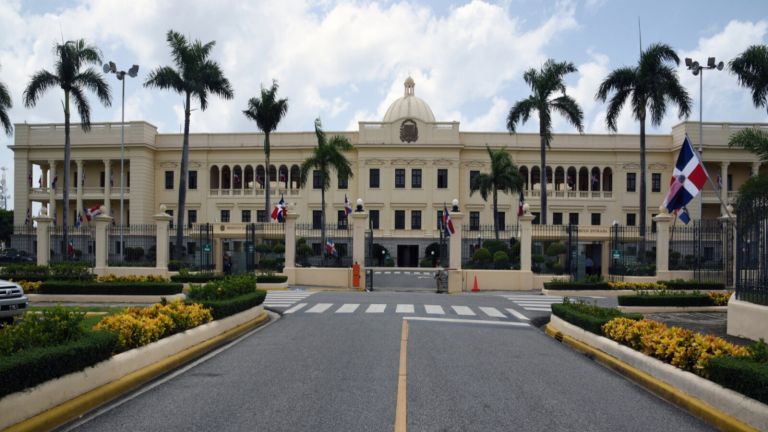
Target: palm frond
{"type": "Point", "coordinates": [165, 78]}
{"type": "Point", "coordinates": [83, 107]}
{"type": "Point", "coordinates": [41, 81]}
{"type": "Point", "coordinates": [520, 113]}
{"type": "Point", "coordinates": [570, 109]}
{"type": "Point", "coordinates": [751, 70]}
{"type": "Point", "coordinates": [753, 139]}
{"type": "Point", "coordinates": [5, 105]}
{"type": "Point", "coordinates": [93, 81]}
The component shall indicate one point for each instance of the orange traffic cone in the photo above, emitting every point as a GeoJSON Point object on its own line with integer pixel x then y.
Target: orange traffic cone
{"type": "Point", "coordinates": [475, 287]}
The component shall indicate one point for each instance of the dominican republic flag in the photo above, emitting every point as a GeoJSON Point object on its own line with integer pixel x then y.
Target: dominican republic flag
{"type": "Point", "coordinates": [53, 182]}
{"type": "Point", "coordinates": [279, 212]}
{"type": "Point", "coordinates": [29, 179]}
{"type": "Point", "coordinates": [688, 178]}
{"type": "Point", "coordinates": [520, 204]}
{"type": "Point", "coordinates": [447, 223]}
{"type": "Point", "coordinates": [347, 206]}
{"type": "Point", "coordinates": [92, 212]}
{"type": "Point", "coordinates": [684, 216]}
{"type": "Point", "coordinates": [28, 220]}
{"type": "Point", "coordinates": [330, 248]}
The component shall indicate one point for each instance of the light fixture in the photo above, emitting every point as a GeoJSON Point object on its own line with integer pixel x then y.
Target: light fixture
{"type": "Point", "coordinates": [359, 205]}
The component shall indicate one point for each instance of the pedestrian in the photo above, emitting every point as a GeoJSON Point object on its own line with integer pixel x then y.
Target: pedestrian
{"type": "Point", "coordinates": [589, 264]}
{"type": "Point", "coordinates": [227, 263]}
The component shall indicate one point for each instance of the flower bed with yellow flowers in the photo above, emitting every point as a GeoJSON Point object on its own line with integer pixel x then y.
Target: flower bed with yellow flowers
{"type": "Point", "coordinates": [682, 348]}
{"type": "Point", "coordinates": [136, 326]}
{"type": "Point", "coordinates": [132, 278]}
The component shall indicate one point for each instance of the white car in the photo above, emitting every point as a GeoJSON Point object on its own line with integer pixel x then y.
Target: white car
{"type": "Point", "coordinates": [13, 302]}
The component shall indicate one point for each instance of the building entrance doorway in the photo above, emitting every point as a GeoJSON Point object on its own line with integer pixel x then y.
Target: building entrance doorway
{"type": "Point", "coordinates": [593, 256]}
{"type": "Point", "coordinates": [407, 255]}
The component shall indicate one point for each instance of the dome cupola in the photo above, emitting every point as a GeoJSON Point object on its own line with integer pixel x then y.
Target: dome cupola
{"type": "Point", "coordinates": [409, 106]}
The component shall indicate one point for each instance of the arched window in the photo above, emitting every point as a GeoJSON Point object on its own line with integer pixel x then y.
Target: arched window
{"type": "Point", "coordinates": [583, 179]}
{"type": "Point", "coordinates": [524, 175]}
{"type": "Point", "coordinates": [272, 173]}
{"type": "Point", "coordinates": [570, 179]}
{"type": "Point", "coordinates": [295, 176]}
{"type": "Point", "coordinates": [237, 177]}
{"type": "Point", "coordinates": [283, 172]}
{"type": "Point", "coordinates": [559, 178]}
{"type": "Point", "coordinates": [260, 176]}
{"type": "Point", "coordinates": [594, 180]}
{"type": "Point", "coordinates": [607, 180]}
{"type": "Point", "coordinates": [550, 179]}
{"type": "Point", "coordinates": [535, 178]}
{"type": "Point", "coordinates": [226, 177]}
{"type": "Point", "coordinates": [248, 180]}
{"type": "Point", "coordinates": [214, 177]}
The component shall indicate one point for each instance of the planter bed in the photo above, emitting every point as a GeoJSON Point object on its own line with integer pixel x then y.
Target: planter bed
{"type": "Point", "coordinates": [676, 299]}
{"type": "Point", "coordinates": [671, 309]}
{"type": "Point", "coordinates": [110, 288]}
{"type": "Point", "coordinates": [196, 278]}
{"type": "Point", "coordinates": [607, 293]}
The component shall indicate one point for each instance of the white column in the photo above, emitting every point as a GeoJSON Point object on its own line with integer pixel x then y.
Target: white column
{"type": "Point", "coordinates": [359, 220]}
{"type": "Point", "coordinates": [755, 168]}
{"type": "Point", "coordinates": [80, 170]}
{"type": "Point", "coordinates": [454, 241]}
{"type": "Point", "coordinates": [724, 179]}
{"type": "Point", "coordinates": [526, 228]}
{"type": "Point", "coordinates": [107, 186]}
{"type": "Point", "coordinates": [162, 221]}
{"type": "Point", "coordinates": [43, 238]}
{"type": "Point", "coordinates": [663, 220]}
{"type": "Point", "coordinates": [52, 190]}
{"type": "Point", "coordinates": [101, 223]}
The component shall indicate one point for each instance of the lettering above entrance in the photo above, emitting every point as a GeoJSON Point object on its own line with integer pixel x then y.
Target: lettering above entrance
{"type": "Point", "coordinates": [408, 131]}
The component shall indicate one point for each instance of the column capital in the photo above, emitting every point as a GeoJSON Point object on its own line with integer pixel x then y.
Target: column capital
{"type": "Point", "coordinates": [725, 163]}
{"type": "Point", "coordinates": [292, 216]}
{"type": "Point", "coordinates": [107, 162]}
{"type": "Point", "coordinates": [528, 218]}
{"type": "Point", "coordinates": [358, 215]}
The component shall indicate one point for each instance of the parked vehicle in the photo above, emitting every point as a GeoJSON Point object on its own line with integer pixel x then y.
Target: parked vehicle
{"type": "Point", "coordinates": [13, 302]}
{"type": "Point", "coordinates": [14, 256]}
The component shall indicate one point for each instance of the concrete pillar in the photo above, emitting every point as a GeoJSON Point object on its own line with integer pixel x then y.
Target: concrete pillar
{"type": "Point", "coordinates": [218, 255]}
{"type": "Point", "coordinates": [101, 225]}
{"type": "Point", "coordinates": [51, 190]}
{"type": "Point", "coordinates": [605, 258]}
{"type": "Point", "coordinates": [359, 224]}
{"type": "Point", "coordinates": [162, 221]}
{"type": "Point", "coordinates": [80, 172]}
{"type": "Point", "coordinates": [755, 168]}
{"type": "Point", "coordinates": [724, 180]}
{"type": "Point", "coordinates": [289, 268]}
{"type": "Point", "coordinates": [733, 249]}
{"type": "Point", "coordinates": [526, 239]}
{"type": "Point", "coordinates": [663, 220]}
{"type": "Point", "coordinates": [43, 237]}
{"type": "Point", "coordinates": [454, 242]}
{"type": "Point", "coordinates": [107, 186]}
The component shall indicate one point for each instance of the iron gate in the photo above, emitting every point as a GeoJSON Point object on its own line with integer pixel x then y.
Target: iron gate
{"type": "Point", "coordinates": [633, 253]}
{"type": "Point", "coordinates": [555, 250]}
{"type": "Point", "coordinates": [704, 247]}
{"type": "Point", "coordinates": [752, 249]}
{"type": "Point", "coordinates": [205, 239]}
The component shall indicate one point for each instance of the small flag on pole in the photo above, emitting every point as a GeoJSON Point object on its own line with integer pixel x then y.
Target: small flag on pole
{"type": "Point", "coordinates": [347, 206]}
{"type": "Point", "coordinates": [688, 178]}
{"type": "Point", "coordinates": [447, 223]}
{"type": "Point", "coordinates": [521, 203]}
{"type": "Point", "coordinates": [684, 216]}
{"type": "Point", "coordinates": [330, 248]}
{"type": "Point", "coordinates": [279, 211]}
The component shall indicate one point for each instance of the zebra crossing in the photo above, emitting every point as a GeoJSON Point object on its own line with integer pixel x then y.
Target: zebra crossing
{"type": "Point", "coordinates": [534, 302]}
{"type": "Point", "coordinates": [406, 309]}
{"type": "Point", "coordinates": [284, 299]}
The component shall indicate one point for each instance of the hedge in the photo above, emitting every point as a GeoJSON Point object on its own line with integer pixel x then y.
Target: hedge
{"type": "Point", "coordinates": [35, 366]}
{"type": "Point", "coordinates": [693, 285]}
{"type": "Point", "coordinates": [576, 286]}
{"type": "Point", "coordinates": [111, 288]}
{"type": "Point", "coordinates": [741, 374]}
{"type": "Point", "coordinates": [36, 273]}
{"type": "Point", "coordinates": [589, 317]}
{"type": "Point", "coordinates": [666, 300]}
{"type": "Point", "coordinates": [271, 278]}
{"type": "Point", "coordinates": [226, 307]}
{"type": "Point", "coordinates": [196, 278]}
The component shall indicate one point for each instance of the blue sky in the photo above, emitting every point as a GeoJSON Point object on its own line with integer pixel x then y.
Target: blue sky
{"type": "Point", "coordinates": [346, 61]}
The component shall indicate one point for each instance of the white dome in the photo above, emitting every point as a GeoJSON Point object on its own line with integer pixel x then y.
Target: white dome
{"type": "Point", "coordinates": [409, 106]}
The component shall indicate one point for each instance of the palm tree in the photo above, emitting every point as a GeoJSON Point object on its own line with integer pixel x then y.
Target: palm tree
{"type": "Point", "coordinates": [267, 112]}
{"type": "Point", "coordinates": [195, 76]}
{"type": "Point", "coordinates": [751, 69]}
{"type": "Point", "coordinates": [503, 177]}
{"type": "Point", "coordinates": [545, 83]}
{"type": "Point", "coordinates": [328, 154]}
{"type": "Point", "coordinates": [74, 77]}
{"type": "Point", "coordinates": [5, 105]}
{"type": "Point", "coordinates": [651, 85]}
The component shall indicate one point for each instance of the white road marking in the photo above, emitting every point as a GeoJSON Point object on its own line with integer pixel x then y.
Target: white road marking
{"type": "Point", "coordinates": [397, 272]}
{"type": "Point", "coordinates": [434, 309]}
{"type": "Point", "coordinates": [348, 308]}
{"type": "Point", "coordinates": [389, 272]}
{"type": "Point", "coordinates": [319, 308]}
{"type": "Point", "coordinates": [376, 308]}
{"type": "Point", "coordinates": [404, 308]}
{"type": "Point", "coordinates": [518, 315]}
{"type": "Point", "coordinates": [466, 321]}
{"type": "Point", "coordinates": [463, 310]}
{"type": "Point", "coordinates": [295, 308]}
{"type": "Point", "coordinates": [535, 303]}
{"type": "Point", "coordinates": [492, 312]}
{"type": "Point", "coordinates": [407, 273]}
{"type": "Point", "coordinates": [538, 309]}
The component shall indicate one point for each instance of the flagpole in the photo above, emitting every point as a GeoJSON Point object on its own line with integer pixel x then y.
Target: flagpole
{"type": "Point", "coordinates": [711, 183]}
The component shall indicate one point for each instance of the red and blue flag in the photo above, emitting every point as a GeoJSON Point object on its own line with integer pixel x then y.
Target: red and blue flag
{"type": "Point", "coordinates": [347, 206]}
{"type": "Point", "coordinates": [279, 211]}
{"type": "Point", "coordinates": [688, 178]}
{"type": "Point", "coordinates": [447, 223]}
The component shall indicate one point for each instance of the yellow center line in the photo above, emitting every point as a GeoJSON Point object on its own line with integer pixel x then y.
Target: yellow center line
{"type": "Point", "coordinates": [400, 409]}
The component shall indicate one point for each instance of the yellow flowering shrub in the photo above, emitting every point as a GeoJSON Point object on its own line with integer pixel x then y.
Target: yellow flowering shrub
{"type": "Point", "coordinates": [720, 298]}
{"type": "Point", "coordinates": [30, 287]}
{"type": "Point", "coordinates": [136, 326]}
{"type": "Point", "coordinates": [677, 346]}
{"type": "Point", "coordinates": [132, 278]}
{"type": "Point", "coordinates": [619, 285]}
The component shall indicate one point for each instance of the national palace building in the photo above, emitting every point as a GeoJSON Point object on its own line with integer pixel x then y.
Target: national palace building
{"type": "Point", "coordinates": [406, 168]}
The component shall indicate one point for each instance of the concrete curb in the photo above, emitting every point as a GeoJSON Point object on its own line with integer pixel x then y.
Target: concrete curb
{"type": "Point", "coordinates": [61, 400]}
{"type": "Point", "coordinates": [724, 408]}
{"type": "Point", "coordinates": [672, 309]}
{"type": "Point", "coordinates": [96, 298]}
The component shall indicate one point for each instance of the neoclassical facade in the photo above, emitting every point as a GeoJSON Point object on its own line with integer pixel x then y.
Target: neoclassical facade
{"type": "Point", "coordinates": [406, 168]}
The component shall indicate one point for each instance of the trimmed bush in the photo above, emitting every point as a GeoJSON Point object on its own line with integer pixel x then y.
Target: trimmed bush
{"type": "Point", "coordinates": [576, 286]}
{"type": "Point", "coordinates": [110, 288]}
{"type": "Point", "coordinates": [693, 285]}
{"type": "Point", "coordinates": [741, 374]}
{"type": "Point", "coordinates": [482, 256]}
{"type": "Point", "coordinates": [587, 316]}
{"type": "Point", "coordinates": [500, 260]}
{"type": "Point", "coordinates": [271, 279]}
{"type": "Point", "coordinates": [35, 273]}
{"type": "Point", "coordinates": [32, 367]}
{"type": "Point", "coordinates": [231, 286]}
{"type": "Point", "coordinates": [223, 308]}
{"type": "Point", "coordinates": [196, 277]}
{"type": "Point", "coordinates": [667, 299]}
{"type": "Point", "coordinates": [52, 327]}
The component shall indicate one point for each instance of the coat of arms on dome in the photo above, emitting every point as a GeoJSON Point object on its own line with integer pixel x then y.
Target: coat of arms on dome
{"type": "Point", "coordinates": [408, 131]}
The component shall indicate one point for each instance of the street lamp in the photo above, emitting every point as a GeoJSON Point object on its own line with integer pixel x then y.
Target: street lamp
{"type": "Point", "coordinates": [111, 67]}
{"type": "Point", "coordinates": [698, 69]}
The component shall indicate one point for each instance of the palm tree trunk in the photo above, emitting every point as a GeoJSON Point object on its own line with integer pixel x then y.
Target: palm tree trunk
{"type": "Point", "coordinates": [266, 173]}
{"type": "Point", "coordinates": [183, 182]}
{"type": "Point", "coordinates": [322, 221]}
{"type": "Point", "coordinates": [543, 184]}
{"type": "Point", "coordinates": [495, 213]}
{"type": "Point", "coordinates": [642, 188]}
{"type": "Point", "coordinates": [67, 148]}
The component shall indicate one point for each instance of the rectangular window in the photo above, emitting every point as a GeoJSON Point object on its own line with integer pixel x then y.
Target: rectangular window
{"type": "Point", "coordinates": [101, 179]}
{"type": "Point", "coordinates": [416, 178]}
{"type": "Point", "coordinates": [472, 175]}
{"type": "Point", "coordinates": [474, 221]}
{"type": "Point", "coordinates": [127, 179]}
{"type": "Point", "coordinates": [317, 219]}
{"type": "Point", "coordinates": [341, 219]}
{"type": "Point", "coordinates": [245, 216]}
{"type": "Point", "coordinates": [442, 178]}
{"type": "Point", "coordinates": [596, 219]}
{"type": "Point", "coordinates": [225, 216]}
{"type": "Point", "coordinates": [374, 216]}
{"type": "Point", "coordinates": [399, 178]}
{"type": "Point", "coordinates": [501, 217]}
{"type": "Point", "coordinates": [343, 182]}
{"type": "Point", "coordinates": [399, 219]}
{"type": "Point", "coordinates": [192, 180]}
{"type": "Point", "coordinates": [373, 180]}
{"type": "Point", "coordinates": [655, 182]}
{"type": "Point", "coordinates": [557, 218]}
{"type": "Point", "coordinates": [317, 180]}
{"type": "Point", "coordinates": [631, 182]}
{"type": "Point", "coordinates": [169, 179]}
{"type": "Point", "coordinates": [261, 216]}
{"type": "Point", "coordinates": [730, 182]}
{"type": "Point", "coordinates": [536, 218]}
{"type": "Point", "coordinates": [573, 218]}
{"type": "Point", "coordinates": [631, 219]}
{"type": "Point", "coordinates": [191, 217]}
{"type": "Point", "coordinates": [415, 219]}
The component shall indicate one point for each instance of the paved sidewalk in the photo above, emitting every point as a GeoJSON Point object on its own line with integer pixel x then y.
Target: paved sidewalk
{"type": "Point", "coordinates": [714, 323]}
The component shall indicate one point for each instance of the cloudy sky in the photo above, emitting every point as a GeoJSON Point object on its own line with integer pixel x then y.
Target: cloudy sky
{"type": "Point", "coordinates": [345, 61]}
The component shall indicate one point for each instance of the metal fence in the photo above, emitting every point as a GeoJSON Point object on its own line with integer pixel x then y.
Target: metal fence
{"type": "Point", "coordinates": [632, 253]}
{"type": "Point", "coordinates": [81, 247]}
{"type": "Point", "coordinates": [554, 249]}
{"type": "Point", "coordinates": [704, 247]}
{"type": "Point", "coordinates": [198, 251]}
{"type": "Point", "coordinates": [484, 236]}
{"type": "Point", "coordinates": [265, 247]}
{"type": "Point", "coordinates": [752, 250]}
{"type": "Point", "coordinates": [23, 245]}
{"type": "Point", "coordinates": [311, 252]}
{"type": "Point", "coordinates": [132, 245]}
